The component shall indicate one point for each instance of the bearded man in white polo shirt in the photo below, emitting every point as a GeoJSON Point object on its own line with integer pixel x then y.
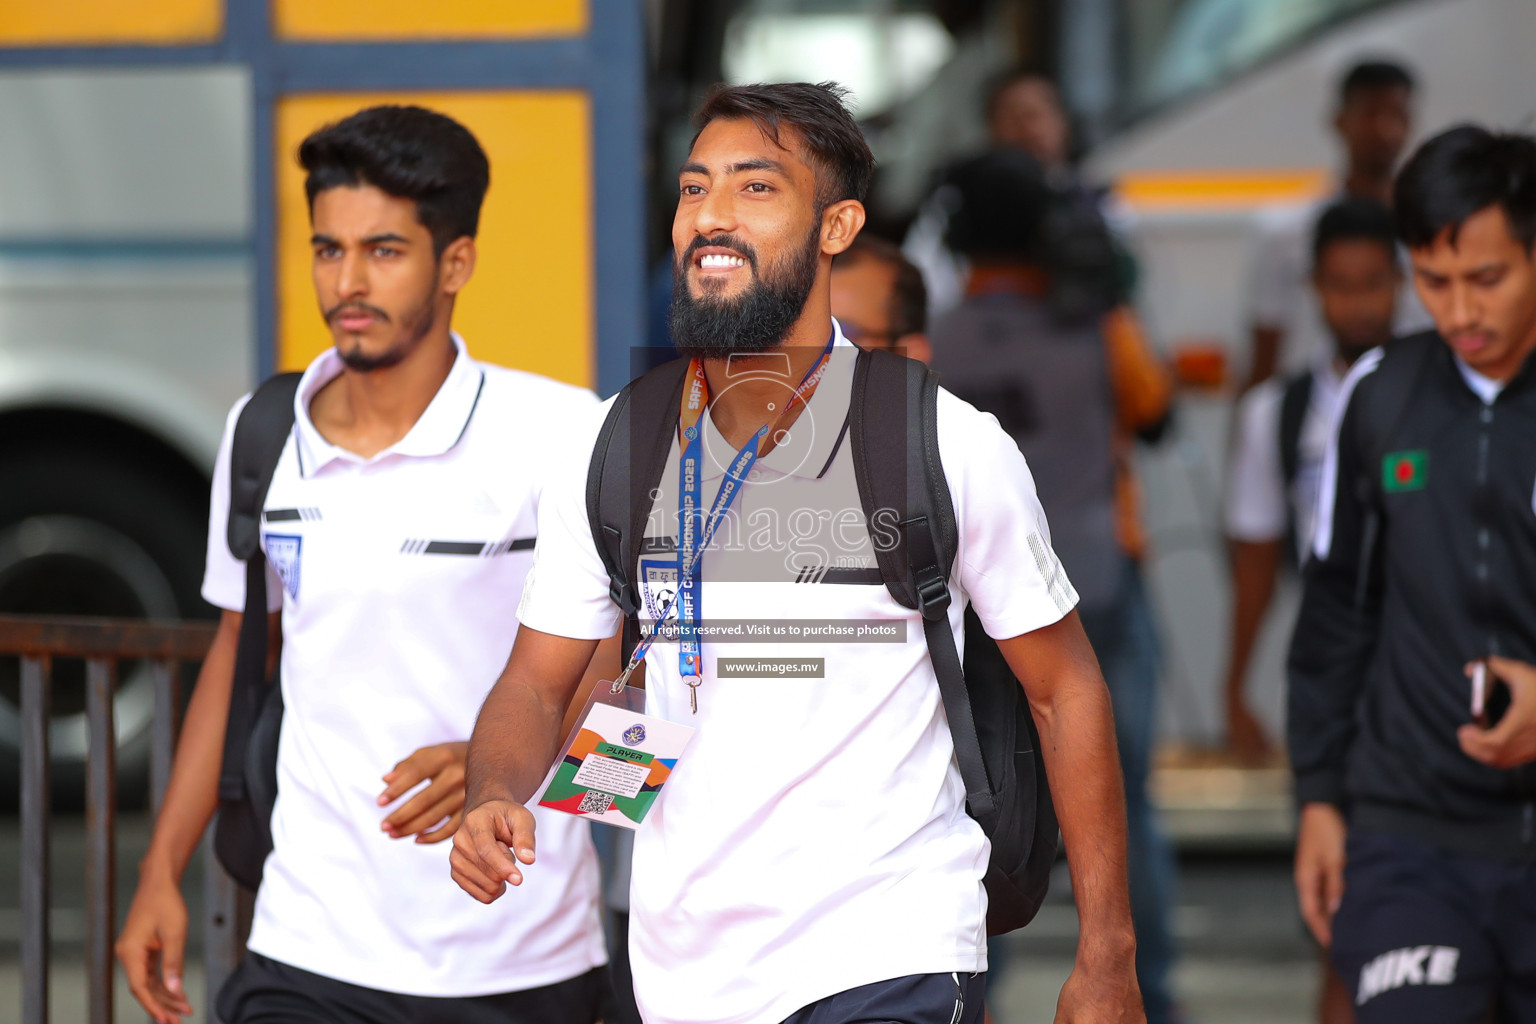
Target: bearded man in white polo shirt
{"type": "Point", "coordinates": [810, 859]}
{"type": "Point", "coordinates": [399, 522]}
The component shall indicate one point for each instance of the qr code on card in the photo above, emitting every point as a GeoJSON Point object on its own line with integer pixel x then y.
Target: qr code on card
{"type": "Point", "coordinates": [595, 802]}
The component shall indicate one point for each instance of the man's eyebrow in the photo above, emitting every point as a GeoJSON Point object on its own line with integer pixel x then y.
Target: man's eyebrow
{"type": "Point", "coordinates": [758, 164]}
{"type": "Point", "coordinates": [388, 236]}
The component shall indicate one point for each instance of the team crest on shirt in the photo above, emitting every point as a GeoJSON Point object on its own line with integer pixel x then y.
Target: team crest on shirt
{"type": "Point", "coordinates": [283, 555]}
{"type": "Point", "coordinates": [635, 735]}
{"type": "Point", "coordinates": [660, 587]}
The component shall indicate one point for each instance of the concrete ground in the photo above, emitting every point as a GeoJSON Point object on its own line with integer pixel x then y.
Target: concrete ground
{"type": "Point", "coordinates": [1245, 959]}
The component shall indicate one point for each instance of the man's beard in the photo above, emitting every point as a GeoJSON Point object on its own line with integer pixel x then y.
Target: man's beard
{"type": "Point", "coordinates": [708, 326]}
{"type": "Point", "coordinates": [414, 326]}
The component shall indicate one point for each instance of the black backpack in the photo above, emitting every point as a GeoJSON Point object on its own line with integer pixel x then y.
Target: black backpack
{"type": "Point", "coordinates": [895, 448]}
{"type": "Point", "coordinates": [242, 836]}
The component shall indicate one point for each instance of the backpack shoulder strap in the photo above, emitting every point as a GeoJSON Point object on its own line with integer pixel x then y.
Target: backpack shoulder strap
{"type": "Point", "coordinates": [261, 432]}
{"type": "Point", "coordinates": [1384, 404]}
{"type": "Point", "coordinates": [1390, 394]}
{"type": "Point", "coordinates": [1294, 401]}
{"type": "Point", "coordinates": [895, 446]}
{"type": "Point", "coordinates": [627, 462]}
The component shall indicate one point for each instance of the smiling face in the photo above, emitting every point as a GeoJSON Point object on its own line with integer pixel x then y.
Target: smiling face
{"type": "Point", "coordinates": [1481, 291]}
{"type": "Point", "coordinates": [381, 287]}
{"type": "Point", "coordinates": [751, 238]}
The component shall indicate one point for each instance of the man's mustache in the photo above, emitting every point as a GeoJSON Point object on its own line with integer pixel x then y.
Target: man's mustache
{"type": "Point", "coordinates": [356, 307]}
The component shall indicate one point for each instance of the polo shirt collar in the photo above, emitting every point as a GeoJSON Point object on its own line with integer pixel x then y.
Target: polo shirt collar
{"type": "Point", "coordinates": [807, 451]}
{"type": "Point", "coordinates": [435, 432]}
{"type": "Point", "coordinates": [1485, 388]}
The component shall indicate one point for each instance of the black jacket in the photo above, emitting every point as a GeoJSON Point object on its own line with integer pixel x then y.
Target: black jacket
{"type": "Point", "coordinates": [1425, 560]}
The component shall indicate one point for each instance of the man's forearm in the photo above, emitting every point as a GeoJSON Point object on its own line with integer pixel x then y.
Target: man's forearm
{"type": "Point", "coordinates": [516, 738]}
{"type": "Point", "coordinates": [1077, 736]}
{"type": "Point", "coordinates": [1255, 567]}
{"type": "Point", "coordinates": [192, 794]}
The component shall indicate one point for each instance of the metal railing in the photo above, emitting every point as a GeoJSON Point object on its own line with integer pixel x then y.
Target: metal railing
{"type": "Point", "coordinates": [103, 644]}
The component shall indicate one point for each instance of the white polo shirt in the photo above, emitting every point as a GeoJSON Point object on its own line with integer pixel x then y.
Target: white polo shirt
{"type": "Point", "coordinates": [398, 578]}
{"type": "Point", "coordinates": [813, 837]}
{"type": "Point", "coordinates": [1259, 507]}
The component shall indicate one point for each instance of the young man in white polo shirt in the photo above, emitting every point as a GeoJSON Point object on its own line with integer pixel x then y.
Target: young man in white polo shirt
{"type": "Point", "coordinates": [399, 522]}
{"type": "Point", "coordinates": [811, 858]}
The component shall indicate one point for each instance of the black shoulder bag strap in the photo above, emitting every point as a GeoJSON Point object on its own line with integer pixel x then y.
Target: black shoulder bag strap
{"type": "Point", "coordinates": [261, 432]}
{"type": "Point", "coordinates": [914, 509]}
{"type": "Point", "coordinates": [1293, 414]}
{"type": "Point", "coordinates": [1403, 363]}
{"type": "Point", "coordinates": [627, 462]}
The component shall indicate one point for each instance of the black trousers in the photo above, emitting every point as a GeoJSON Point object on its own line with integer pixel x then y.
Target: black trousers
{"type": "Point", "coordinates": [263, 991]}
{"type": "Point", "coordinates": [1429, 937]}
{"type": "Point", "coordinates": [915, 999]}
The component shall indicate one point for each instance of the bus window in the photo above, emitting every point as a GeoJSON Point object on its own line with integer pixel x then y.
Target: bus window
{"type": "Point", "coordinates": [1180, 46]}
{"type": "Point", "coordinates": [882, 55]}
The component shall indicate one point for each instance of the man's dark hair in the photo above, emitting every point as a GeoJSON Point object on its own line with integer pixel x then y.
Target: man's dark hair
{"type": "Point", "coordinates": [998, 203]}
{"type": "Point", "coordinates": [1370, 75]}
{"type": "Point", "coordinates": [1352, 220]}
{"type": "Point", "coordinates": [834, 145]}
{"type": "Point", "coordinates": [909, 301]}
{"type": "Point", "coordinates": [408, 152]}
{"type": "Point", "coordinates": [1461, 171]}
{"type": "Point", "coordinates": [1006, 80]}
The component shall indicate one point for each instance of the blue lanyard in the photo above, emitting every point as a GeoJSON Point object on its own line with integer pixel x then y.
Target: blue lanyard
{"type": "Point", "coordinates": [695, 528]}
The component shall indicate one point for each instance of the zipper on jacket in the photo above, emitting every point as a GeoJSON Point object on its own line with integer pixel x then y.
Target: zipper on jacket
{"type": "Point", "coordinates": [1528, 825]}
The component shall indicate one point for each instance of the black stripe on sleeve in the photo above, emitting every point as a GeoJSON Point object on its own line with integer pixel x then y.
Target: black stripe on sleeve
{"type": "Point", "coordinates": [453, 547]}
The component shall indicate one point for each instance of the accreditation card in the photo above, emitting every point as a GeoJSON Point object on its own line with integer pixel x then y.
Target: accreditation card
{"type": "Point", "coordinates": [616, 760]}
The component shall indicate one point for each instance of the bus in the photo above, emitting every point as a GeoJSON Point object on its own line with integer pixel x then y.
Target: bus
{"type": "Point", "coordinates": [154, 260]}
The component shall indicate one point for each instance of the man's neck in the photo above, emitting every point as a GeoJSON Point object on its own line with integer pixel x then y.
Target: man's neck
{"type": "Point", "coordinates": [739, 408]}
{"type": "Point", "coordinates": [1363, 184]}
{"type": "Point", "coordinates": [367, 411]}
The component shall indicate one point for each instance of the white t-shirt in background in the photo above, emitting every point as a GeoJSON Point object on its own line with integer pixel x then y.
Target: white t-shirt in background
{"type": "Point", "coordinates": [1259, 506]}
{"type": "Point", "coordinates": [813, 837]}
{"type": "Point", "coordinates": [398, 578]}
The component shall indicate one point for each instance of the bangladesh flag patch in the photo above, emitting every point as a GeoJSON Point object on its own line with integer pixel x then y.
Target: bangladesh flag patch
{"type": "Point", "coordinates": [1405, 471]}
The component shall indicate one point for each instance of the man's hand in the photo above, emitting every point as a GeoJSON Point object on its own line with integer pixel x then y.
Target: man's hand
{"type": "Point", "coordinates": [1102, 990]}
{"type": "Point", "coordinates": [443, 799]}
{"type": "Point", "coordinates": [1512, 742]}
{"type": "Point", "coordinates": [483, 859]}
{"type": "Point", "coordinates": [151, 948]}
{"type": "Point", "coordinates": [1320, 868]}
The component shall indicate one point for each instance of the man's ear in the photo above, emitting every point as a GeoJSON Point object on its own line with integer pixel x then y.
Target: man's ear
{"type": "Point", "coordinates": [840, 225]}
{"type": "Point", "coordinates": [456, 265]}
